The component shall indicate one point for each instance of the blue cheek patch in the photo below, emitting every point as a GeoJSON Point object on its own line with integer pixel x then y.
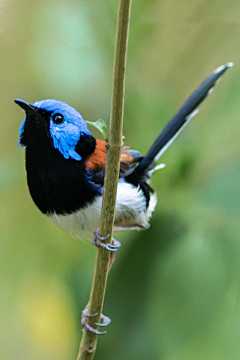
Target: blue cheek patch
{"type": "Point", "coordinates": [66, 136]}
{"type": "Point", "coordinates": [65, 140]}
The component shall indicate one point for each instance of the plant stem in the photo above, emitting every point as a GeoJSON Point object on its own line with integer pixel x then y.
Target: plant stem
{"type": "Point", "coordinates": [89, 340]}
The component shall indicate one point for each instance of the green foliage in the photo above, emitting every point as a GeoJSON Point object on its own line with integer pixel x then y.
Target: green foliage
{"type": "Point", "coordinates": [100, 125]}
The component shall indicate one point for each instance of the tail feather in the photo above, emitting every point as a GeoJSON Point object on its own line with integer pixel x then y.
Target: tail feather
{"type": "Point", "coordinates": [180, 120]}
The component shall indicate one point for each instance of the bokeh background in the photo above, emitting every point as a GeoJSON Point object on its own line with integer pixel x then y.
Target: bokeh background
{"type": "Point", "coordinates": [174, 291]}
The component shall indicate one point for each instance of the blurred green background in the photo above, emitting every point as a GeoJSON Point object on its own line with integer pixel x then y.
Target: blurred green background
{"type": "Point", "coordinates": [174, 291]}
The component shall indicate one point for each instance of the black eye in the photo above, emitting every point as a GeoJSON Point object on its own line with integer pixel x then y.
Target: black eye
{"type": "Point", "coordinates": [58, 119]}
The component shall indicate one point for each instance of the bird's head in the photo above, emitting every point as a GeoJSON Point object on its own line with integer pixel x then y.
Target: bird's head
{"type": "Point", "coordinates": [53, 121]}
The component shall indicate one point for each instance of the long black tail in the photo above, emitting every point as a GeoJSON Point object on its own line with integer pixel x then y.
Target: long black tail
{"type": "Point", "coordinates": [179, 121]}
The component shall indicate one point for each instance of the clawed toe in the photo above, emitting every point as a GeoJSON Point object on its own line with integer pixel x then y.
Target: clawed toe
{"type": "Point", "coordinates": [105, 321]}
{"type": "Point", "coordinates": [98, 237]}
{"type": "Point", "coordinates": [89, 328]}
{"type": "Point", "coordinates": [99, 242]}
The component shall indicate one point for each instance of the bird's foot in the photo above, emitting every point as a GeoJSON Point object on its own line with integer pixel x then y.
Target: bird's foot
{"type": "Point", "coordinates": [99, 242]}
{"type": "Point", "coordinates": [105, 321]}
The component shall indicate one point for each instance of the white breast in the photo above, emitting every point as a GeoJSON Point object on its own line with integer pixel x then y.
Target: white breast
{"type": "Point", "coordinates": [130, 210]}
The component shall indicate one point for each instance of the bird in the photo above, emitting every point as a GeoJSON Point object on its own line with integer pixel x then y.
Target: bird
{"type": "Point", "coordinates": [65, 167]}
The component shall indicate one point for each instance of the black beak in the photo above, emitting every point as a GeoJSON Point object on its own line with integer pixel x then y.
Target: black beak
{"type": "Point", "coordinates": [26, 106]}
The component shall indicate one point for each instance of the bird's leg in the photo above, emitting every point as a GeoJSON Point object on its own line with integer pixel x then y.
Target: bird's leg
{"type": "Point", "coordinates": [105, 321]}
{"type": "Point", "coordinates": [99, 242]}
{"type": "Point", "coordinates": [112, 255]}
{"type": "Point", "coordinates": [128, 227]}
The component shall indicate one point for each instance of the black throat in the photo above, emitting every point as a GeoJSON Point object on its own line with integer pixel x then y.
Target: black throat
{"type": "Point", "coordinates": [59, 185]}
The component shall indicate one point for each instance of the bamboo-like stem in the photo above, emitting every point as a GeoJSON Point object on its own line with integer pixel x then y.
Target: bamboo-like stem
{"type": "Point", "coordinates": [89, 340]}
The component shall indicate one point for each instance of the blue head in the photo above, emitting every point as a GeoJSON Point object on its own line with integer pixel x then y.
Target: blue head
{"type": "Point", "coordinates": [55, 120]}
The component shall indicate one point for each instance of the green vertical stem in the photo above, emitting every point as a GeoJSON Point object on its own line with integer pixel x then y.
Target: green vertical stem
{"type": "Point", "coordinates": [89, 340]}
